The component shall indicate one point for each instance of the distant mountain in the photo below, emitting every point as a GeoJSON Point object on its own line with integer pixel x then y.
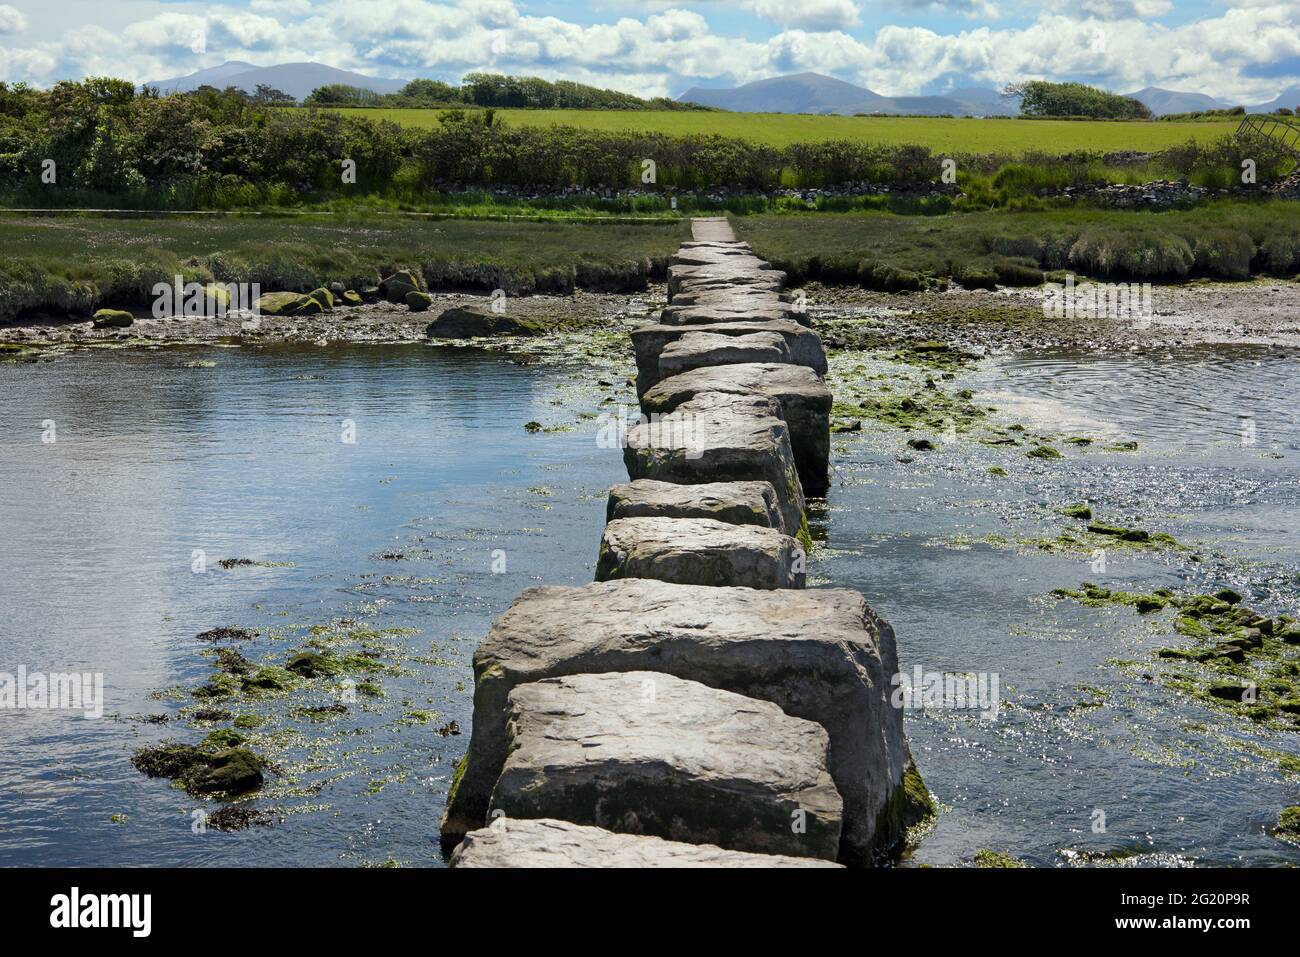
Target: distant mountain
{"type": "Point", "coordinates": [1162, 102]}
{"type": "Point", "coordinates": [296, 79]}
{"type": "Point", "coordinates": [1290, 98]}
{"type": "Point", "coordinates": [815, 93]}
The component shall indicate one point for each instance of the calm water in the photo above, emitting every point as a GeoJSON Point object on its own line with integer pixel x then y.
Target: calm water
{"type": "Point", "coordinates": [246, 460]}
{"type": "Point", "coordinates": [398, 530]}
{"type": "Point", "coordinates": [1078, 732]}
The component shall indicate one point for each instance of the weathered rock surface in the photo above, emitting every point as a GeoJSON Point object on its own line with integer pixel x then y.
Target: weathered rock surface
{"type": "Point", "coordinates": [804, 399]}
{"type": "Point", "coordinates": [111, 319]}
{"type": "Point", "coordinates": [697, 350]}
{"type": "Point", "coordinates": [511, 842]}
{"type": "Point", "coordinates": [736, 503]}
{"type": "Point", "coordinates": [645, 752]}
{"type": "Point", "coordinates": [699, 551]}
{"type": "Point", "coordinates": [649, 341]}
{"type": "Point", "coordinates": [719, 437]}
{"type": "Point", "coordinates": [819, 654]}
{"type": "Point", "coordinates": [469, 321]}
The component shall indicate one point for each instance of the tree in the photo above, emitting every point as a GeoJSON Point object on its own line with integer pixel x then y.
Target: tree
{"type": "Point", "coordinates": [266, 95]}
{"type": "Point", "coordinates": [1041, 98]}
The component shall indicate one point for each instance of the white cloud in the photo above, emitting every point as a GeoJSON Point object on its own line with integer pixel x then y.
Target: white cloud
{"type": "Point", "coordinates": [12, 20]}
{"type": "Point", "coordinates": [809, 14]}
{"type": "Point", "coordinates": [668, 48]}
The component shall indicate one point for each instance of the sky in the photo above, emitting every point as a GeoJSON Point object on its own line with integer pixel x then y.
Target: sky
{"type": "Point", "coordinates": [1244, 51]}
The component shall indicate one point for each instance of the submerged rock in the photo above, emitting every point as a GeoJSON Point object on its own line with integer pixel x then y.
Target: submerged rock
{"type": "Point", "coordinates": [821, 654]}
{"type": "Point", "coordinates": [510, 842]}
{"type": "Point", "coordinates": [699, 551]}
{"type": "Point", "coordinates": [649, 753]}
{"type": "Point", "coordinates": [201, 770]}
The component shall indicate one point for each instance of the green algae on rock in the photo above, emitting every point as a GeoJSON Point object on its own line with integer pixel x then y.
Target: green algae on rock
{"type": "Point", "coordinates": [202, 770]}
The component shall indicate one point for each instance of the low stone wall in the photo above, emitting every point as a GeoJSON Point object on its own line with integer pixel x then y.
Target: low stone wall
{"type": "Point", "coordinates": [694, 706]}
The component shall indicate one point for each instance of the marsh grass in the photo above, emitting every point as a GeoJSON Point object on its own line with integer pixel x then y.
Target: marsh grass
{"type": "Point", "coordinates": [76, 262]}
{"type": "Point", "coordinates": [1223, 240]}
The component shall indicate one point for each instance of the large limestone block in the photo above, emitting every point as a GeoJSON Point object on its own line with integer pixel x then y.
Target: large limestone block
{"type": "Point", "coordinates": [719, 437]}
{"type": "Point", "coordinates": [819, 654]}
{"type": "Point", "coordinates": [644, 752]}
{"type": "Point", "coordinates": [699, 551]}
{"type": "Point", "coordinates": [649, 341]}
{"type": "Point", "coordinates": [736, 503]}
{"type": "Point", "coordinates": [804, 399]}
{"type": "Point", "coordinates": [543, 842]}
{"type": "Point", "coordinates": [697, 279]}
{"type": "Point", "coordinates": [697, 350]}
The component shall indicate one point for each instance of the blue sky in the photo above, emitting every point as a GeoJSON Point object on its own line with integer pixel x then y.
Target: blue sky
{"type": "Point", "coordinates": [1240, 50]}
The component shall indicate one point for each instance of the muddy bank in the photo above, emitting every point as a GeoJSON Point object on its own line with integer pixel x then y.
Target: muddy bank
{"type": "Point", "coordinates": [1264, 313]}
{"type": "Point", "coordinates": [379, 322]}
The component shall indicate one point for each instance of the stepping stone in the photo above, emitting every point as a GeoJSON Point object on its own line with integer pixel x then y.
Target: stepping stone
{"type": "Point", "coordinates": [642, 752]}
{"type": "Point", "coordinates": [819, 654]}
{"type": "Point", "coordinates": [543, 842]}
{"type": "Point", "coordinates": [649, 341]}
{"type": "Point", "coordinates": [697, 350]}
{"type": "Point", "coordinates": [680, 280]}
{"type": "Point", "coordinates": [701, 315]}
{"type": "Point", "coordinates": [736, 503]}
{"type": "Point", "coordinates": [805, 405]}
{"type": "Point", "coordinates": [699, 551]}
{"type": "Point", "coordinates": [719, 437]}
{"type": "Point", "coordinates": [714, 229]}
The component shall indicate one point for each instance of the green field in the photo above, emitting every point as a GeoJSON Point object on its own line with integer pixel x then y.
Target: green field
{"type": "Point", "coordinates": [941, 134]}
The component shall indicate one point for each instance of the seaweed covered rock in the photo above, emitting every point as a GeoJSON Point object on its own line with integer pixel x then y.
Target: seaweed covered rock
{"type": "Point", "coordinates": [819, 654]}
{"type": "Point", "coordinates": [511, 842]}
{"type": "Point", "coordinates": [293, 303]}
{"type": "Point", "coordinates": [312, 664]}
{"type": "Point", "coordinates": [650, 753]}
{"type": "Point", "coordinates": [112, 319]}
{"type": "Point", "coordinates": [699, 551]}
{"type": "Point", "coordinates": [418, 301]}
{"type": "Point", "coordinates": [469, 322]}
{"type": "Point", "coordinates": [203, 769]}
{"type": "Point", "coordinates": [736, 503]}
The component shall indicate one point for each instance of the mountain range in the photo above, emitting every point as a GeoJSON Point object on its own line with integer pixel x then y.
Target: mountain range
{"type": "Point", "coordinates": [815, 93]}
{"type": "Point", "coordinates": [796, 93]}
{"type": "Point", "coordinates": [296, 79]}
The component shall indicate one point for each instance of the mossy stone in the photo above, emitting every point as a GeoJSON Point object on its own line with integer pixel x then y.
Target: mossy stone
{"type": "Point", "coordinates": [112, 319]}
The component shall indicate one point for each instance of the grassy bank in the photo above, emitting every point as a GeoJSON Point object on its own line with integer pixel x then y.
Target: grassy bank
{"type": "Point", "coordinates": [76, 263]}
{"type": "Point", "coordinates": [1222, 240]}
{"type": "Point", "coordinates": [938, 133]}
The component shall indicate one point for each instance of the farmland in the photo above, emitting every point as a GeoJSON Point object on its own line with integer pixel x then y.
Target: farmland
{"type": "Point", "coordinates": [937, 133]}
